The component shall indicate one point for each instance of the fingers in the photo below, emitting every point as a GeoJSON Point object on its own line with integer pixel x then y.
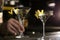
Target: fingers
{"type": "Point", "coordinates": [19, 26]}
{"type": "Point", "coordinates": [12, 29]}
{"type": "Point", "coordinates": [15, 27]}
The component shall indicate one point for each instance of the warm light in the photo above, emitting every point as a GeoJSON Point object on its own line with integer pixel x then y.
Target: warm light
{"type": "Point", "coordinates": [1, 17]}
{"type": "Point", "coordinates": [33, 32]}
{"type": "Point", "coordinates": [51, 4]}
{"type": "Point", "coordinates": [12, 2]}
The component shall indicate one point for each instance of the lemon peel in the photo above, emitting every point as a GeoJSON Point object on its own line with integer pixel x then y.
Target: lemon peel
{"type": "Point", "coordinates": [10, 12]}
{"type": "Point", "coordinates": [39, 13]}
{"type": "Point", "coordinates": [16, 11]}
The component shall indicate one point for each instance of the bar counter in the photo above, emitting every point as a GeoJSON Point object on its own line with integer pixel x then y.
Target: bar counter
{"type": "Point", "coordinates": [49, 36]}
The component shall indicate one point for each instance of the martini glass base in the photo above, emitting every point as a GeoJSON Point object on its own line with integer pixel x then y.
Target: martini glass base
{"type": "Point", "coordinates": [19, 36]}
{"type": "Point", "coordinates": [43, 38]}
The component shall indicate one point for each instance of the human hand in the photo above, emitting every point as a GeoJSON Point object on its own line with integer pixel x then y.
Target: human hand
{"type": "Point", "coordinates": [14, 26]}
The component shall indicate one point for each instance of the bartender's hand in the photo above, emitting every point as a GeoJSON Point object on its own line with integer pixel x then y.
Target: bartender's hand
{"type": "Point", "coordinates": [14, 26]}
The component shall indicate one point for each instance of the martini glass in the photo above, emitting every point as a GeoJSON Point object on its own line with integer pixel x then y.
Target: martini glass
{"type": "Point", "coordinates": [44, 17]}
{"type": "Point", "coordinates": [21, 13]}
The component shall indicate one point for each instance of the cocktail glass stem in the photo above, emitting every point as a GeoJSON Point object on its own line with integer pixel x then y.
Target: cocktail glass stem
{"type": "Point", "coordinates": [43, 37]}
{"type": "Point", "coordinates": [43, 20]}
{"type": "Point", "coordinates": [21, 22]}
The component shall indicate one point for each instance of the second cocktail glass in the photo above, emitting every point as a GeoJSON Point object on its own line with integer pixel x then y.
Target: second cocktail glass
{"type": "Point", "coordinates": [43, 16]}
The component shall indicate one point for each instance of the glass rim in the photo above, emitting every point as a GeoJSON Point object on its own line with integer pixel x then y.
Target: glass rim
{"type": "Point", "coordinates": [23, 7]}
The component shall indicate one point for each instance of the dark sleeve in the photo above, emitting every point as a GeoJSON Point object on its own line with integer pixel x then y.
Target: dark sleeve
{"type": "Point", "coordinates": [3, 29]}
{"type": "Point", "coordinates": [4, 33]}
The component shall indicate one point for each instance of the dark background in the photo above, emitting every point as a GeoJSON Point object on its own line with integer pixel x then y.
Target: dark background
{"type": "Point", "coordinates": [52, 24]}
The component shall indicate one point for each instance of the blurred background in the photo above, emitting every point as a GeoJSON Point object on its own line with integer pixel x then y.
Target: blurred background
{"type": "Point", "coordinates": [34, 24]}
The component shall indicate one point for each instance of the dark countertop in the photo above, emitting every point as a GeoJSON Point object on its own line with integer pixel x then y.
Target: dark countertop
{"type": "Point", "coordinates": [49, 36]}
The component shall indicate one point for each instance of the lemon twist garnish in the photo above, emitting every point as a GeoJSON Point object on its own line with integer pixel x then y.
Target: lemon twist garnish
{"type": "Point", "coordinates": [16, 11]}
{"type": "Point", "coordinates": [39, 13]}
{"type": "Point", "coordinates": [10, 12]}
